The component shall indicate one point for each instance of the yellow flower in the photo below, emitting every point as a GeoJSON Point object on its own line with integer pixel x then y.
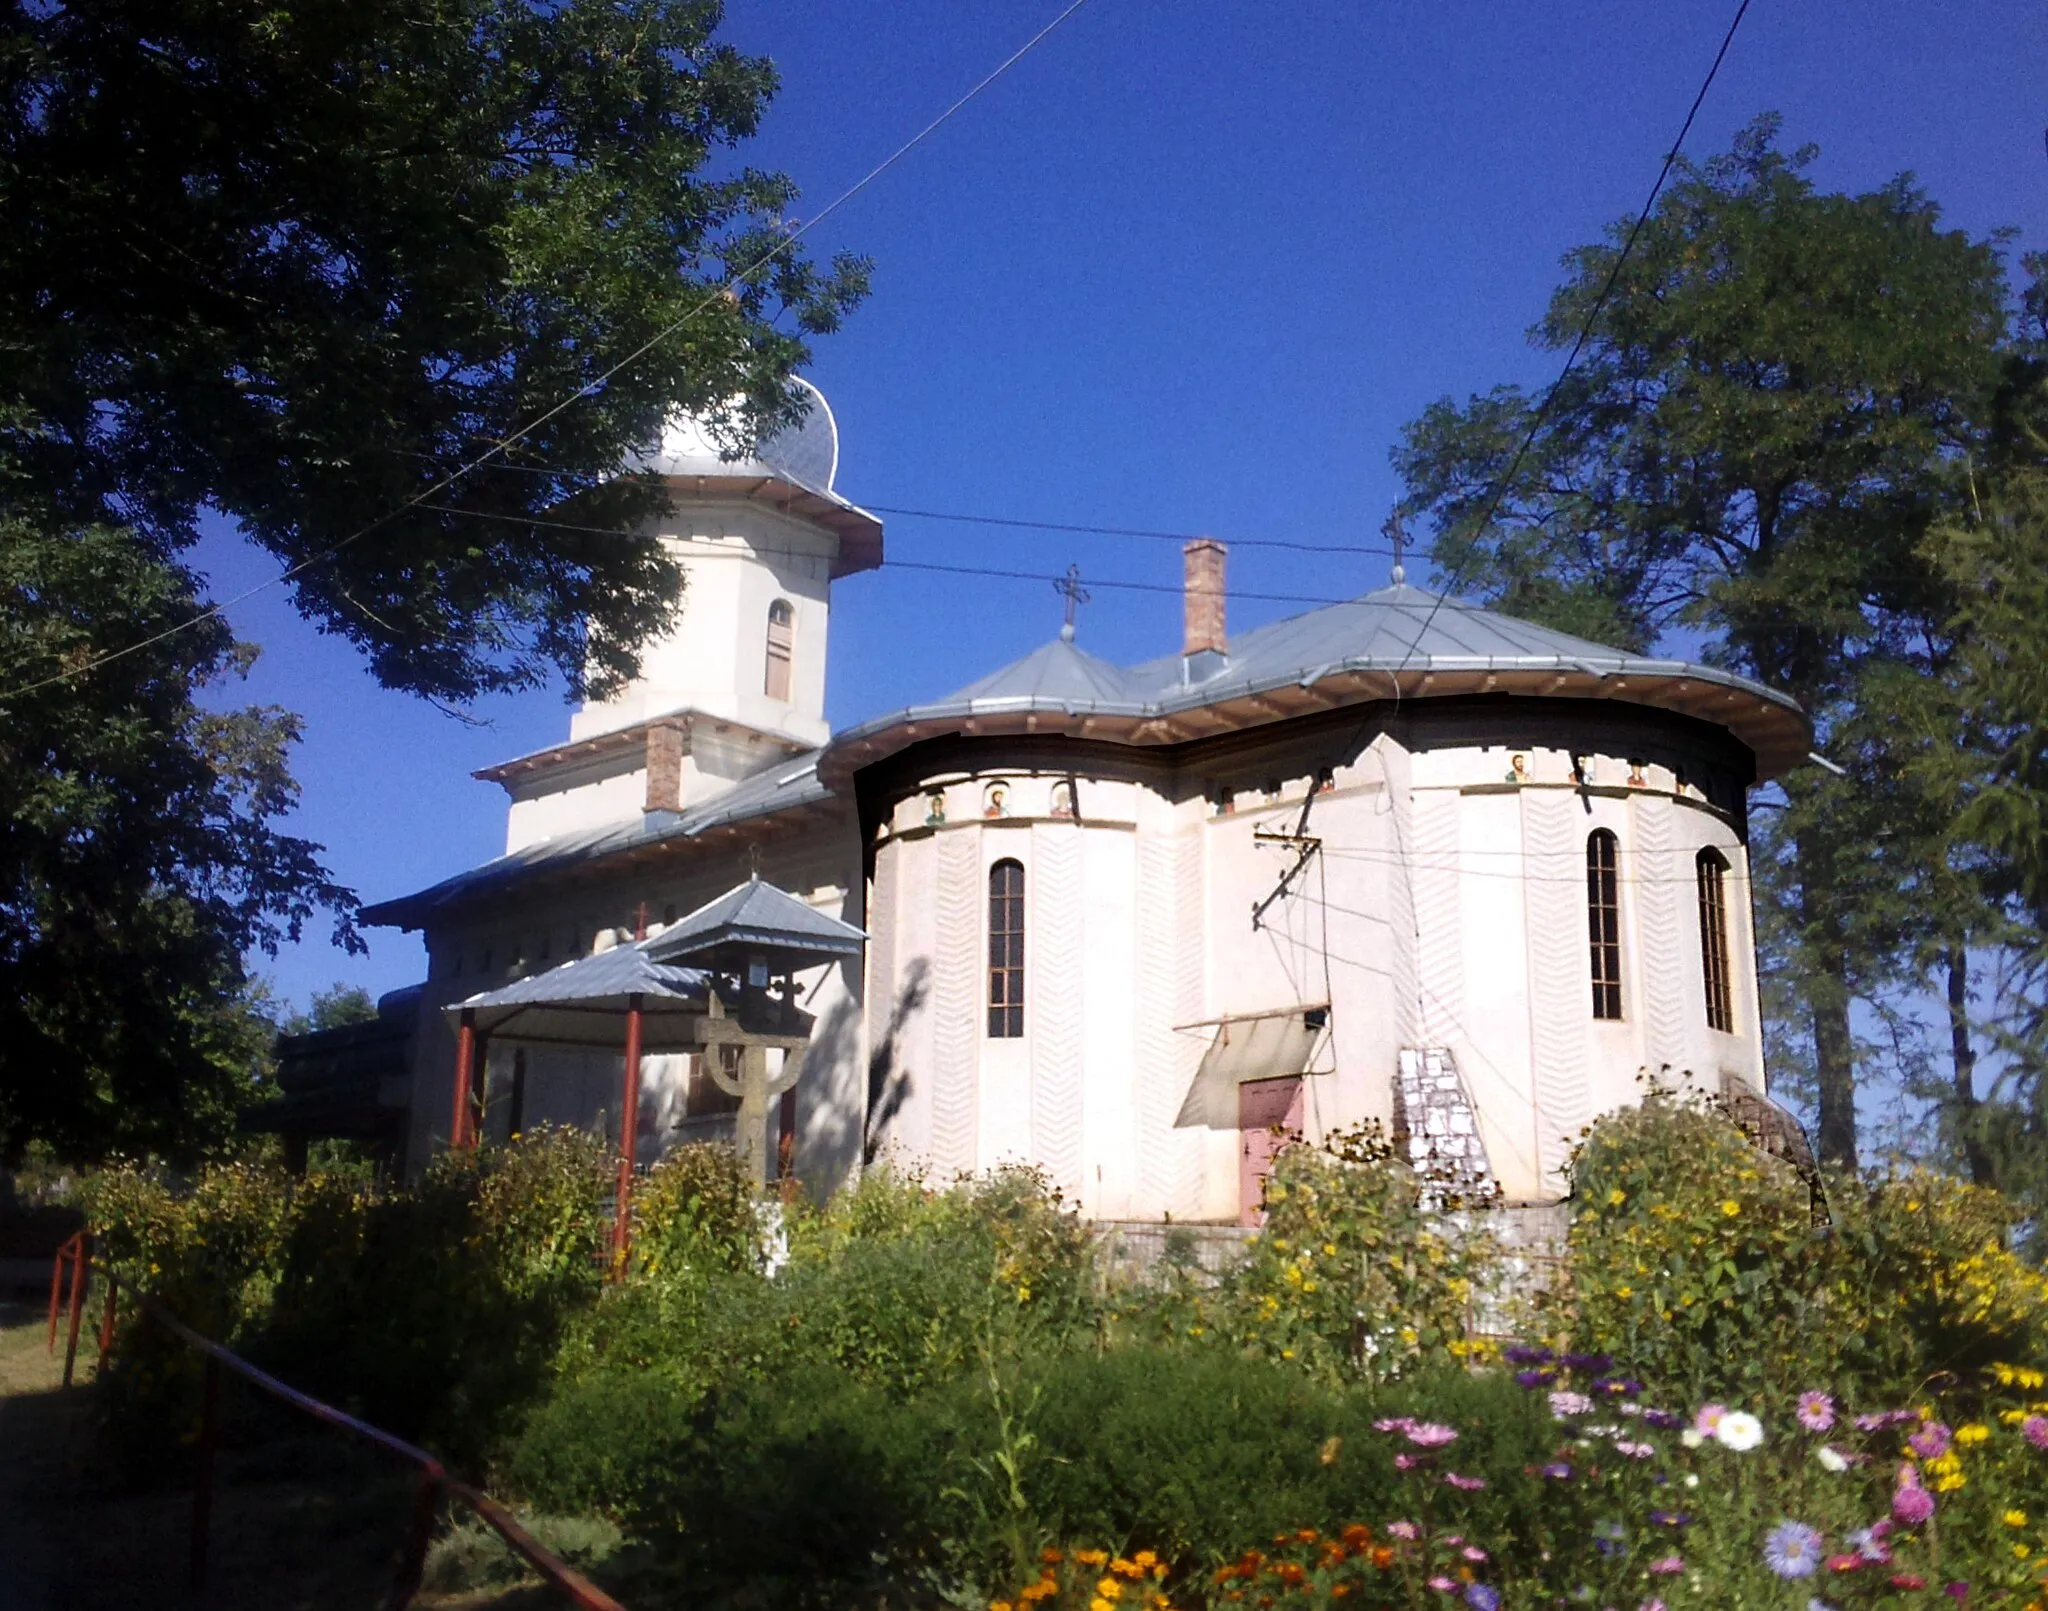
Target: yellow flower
{"type": "Point", "coordinates": [1100, 1604]}
{"type": "Point", "coordinates": [1948, 1483]}
{"type": "Point", "coordinates": [1124, 1568]}
{"type": "Point", "coordinates": [1108, 1588]}
{"type": "Point", "coordinates": [2015, 1518]}
{"type": "Point", "coordinates": [1730, 1207]}
{"type": "Point", "coordinates": [1616, 1197]}
{"type": "Point", "coordinates": [2021, 1551]}
{"type": "Point", "coordinates": [1144, 1557]}
{"type": "Point", "coordinates": [997, 1605]}
{"type": "Point", "coordinates": [1091, 1557]}
{"type": "Point", "coordinates": [1624, 1292]}
{"type": "Point", "coordinates": [1975, 1432]}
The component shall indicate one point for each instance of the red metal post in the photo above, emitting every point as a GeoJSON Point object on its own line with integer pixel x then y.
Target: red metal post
{"type": "Point", "coordinates": [81, 1272]}
{"type": "Point", "coordinates": [629, 1132]}
{"type": "Point", "coordinates": [64, 1251]}
{"type": "Point", "coordinates": [459, 1136]}
{"type": "Point", "coordinates": [202, 1486]}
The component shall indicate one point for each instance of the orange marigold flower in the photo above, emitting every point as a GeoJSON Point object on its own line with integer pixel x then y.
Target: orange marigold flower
{"type": "Point", "coordinates": [1091, 1557]}
{"type": "Point", "coordinates": [1357, 1536]}
{"type": "Point", "coordinates": [1051, 1557]}
{"type": "Point", "coordinates": [1290, 1574]}
{"type": "Point", "coordinates": [1382, 1556]}
{"type": "Point", "coordinates": [1124, 1568]}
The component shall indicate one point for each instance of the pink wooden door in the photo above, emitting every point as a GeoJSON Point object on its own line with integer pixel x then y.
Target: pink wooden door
{"type": "Point", "coordinates": [1269, 1117]}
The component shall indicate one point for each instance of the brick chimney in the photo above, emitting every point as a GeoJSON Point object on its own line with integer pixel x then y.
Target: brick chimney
{"type": "Point", "coordinates": [664, 767]}
{"type": "Point", "coordinates": [1202, 600]}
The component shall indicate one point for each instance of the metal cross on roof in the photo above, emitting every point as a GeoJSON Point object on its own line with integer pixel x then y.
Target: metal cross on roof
{"type": "Point", "coordinates": [1397, 534]}
{"type": "Point", "coordinates": [1070, 588]}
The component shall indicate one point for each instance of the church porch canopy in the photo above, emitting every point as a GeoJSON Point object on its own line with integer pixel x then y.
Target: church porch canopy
{"type": "Point", "coordinates": [582, 1003]}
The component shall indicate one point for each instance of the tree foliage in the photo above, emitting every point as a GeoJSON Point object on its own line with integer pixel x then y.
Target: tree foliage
{"type": "Point", "coordinates": [140, 855]}
{"type": "Point", "coordinates": [300, 263]}
{"type": "Point", "coordinates": [1774, 408]}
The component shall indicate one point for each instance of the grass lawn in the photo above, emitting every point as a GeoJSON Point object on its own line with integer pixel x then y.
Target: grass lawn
{"type": "Point", "coordinates": [309, 1525]}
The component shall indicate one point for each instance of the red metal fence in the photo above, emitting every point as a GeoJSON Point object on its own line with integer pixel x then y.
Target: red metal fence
{"type": "Point", "coordinates": [435, 1482]}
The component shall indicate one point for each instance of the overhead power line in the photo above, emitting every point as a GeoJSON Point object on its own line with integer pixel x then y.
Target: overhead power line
{"type": "Point", "coordinates": [498, 448]}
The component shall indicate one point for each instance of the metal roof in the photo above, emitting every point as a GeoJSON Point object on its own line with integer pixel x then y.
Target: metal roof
{"type": "Point", "coordinates": [581, 1003]}
{"type": "Point", "coordinates": [1399, 642]}
{"type": "Point", "coordinates": [758, 915]}
{"type": "Point", "coordinates": [776, 789]}
{"type": "Point", "coordinates": [792, 470]}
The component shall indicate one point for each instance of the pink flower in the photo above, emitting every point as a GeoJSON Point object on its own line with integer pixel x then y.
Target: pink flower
{"type": "Point", "coordinates": [1473, 1553]}
{"type": "Point", "coordinates": [1815, 1411]}
{"type": "Point", "coordinates": [1403, 1529]}
{"type": "Point", "coordinates": [1407, 1462]}
{"type": "Point", "coordinates": [1430, 1434]}
{"type": "Point", "coordinates": [1668, 1566]}
{"type": "Point", "coordinates": [1931, 1441]}
{"type": "Point", "coordinates": [1651, 1605]}
{"type": "Point", "coordinates": [1464, 1484]}
{"type": "Point", "coordinates": [1443, 1585]}
{"type": "Point", "coordinates": [1708, 1419]}
{"type": "Point", "coordinates": [2035, 1430]}
{"type": "Point", "coordinates": [1912, 1505]}
{"type": "Point", "coordinates": [1394, 1423]}
{"type": "Point", "coordinates": [1564, 1404]}
{"type": "Point", "coordinates": [1635, 1451]}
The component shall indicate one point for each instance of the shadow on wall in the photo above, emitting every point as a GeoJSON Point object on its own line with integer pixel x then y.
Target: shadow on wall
{"type": "Point", "coordinates": [888, 1084]}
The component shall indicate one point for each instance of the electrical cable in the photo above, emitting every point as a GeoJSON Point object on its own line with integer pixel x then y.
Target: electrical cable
{"type": "Point", "coordinates": [498, 448]}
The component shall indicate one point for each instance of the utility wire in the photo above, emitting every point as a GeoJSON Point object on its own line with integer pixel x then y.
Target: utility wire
{"type": "Point", "coordinates": [1538, 420]}
{"type": "Point", "coordinates": [498, 448]}
{"type": "Point", "coordinates": [887, 564]}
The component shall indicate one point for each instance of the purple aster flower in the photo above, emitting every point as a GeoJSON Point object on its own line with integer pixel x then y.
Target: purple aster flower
{"type": "Point", "coordinates": [1931, 1441]}
{"type": "Point", "coordinates": [1815, 1412]}
{"type": "Point", "coordinates": [1620, 1386]}
{"type": "Point", "coordinates": [1557, 1471]}
{"type": "Point", "coordinates": [1667, 1566]}
{"type": "Point", "coordinates": [1670, 1518]}
{"type": "Point", "coordinates": [1635, 1451]}
{"type": "Point", "coordinates": [1527, 1354]}
{"type": "Point", "coordinates": [1793, 1549]}
{"type": "Point", "coordinates": [1912, 1504]}
{"type": "Point", "coordinates": [1957, 1592]}
{"type": "Point", "coordinates": [2035, 1430]}
{"type": "Point", "coordinates": [1535, 1378]}
{"type": "Point", "coordinates": [1481, 1598]}
{"type": "Point", "coordinates": [1666, 1419]}
{"type": "Point", "coordinates": [1588, 1362]}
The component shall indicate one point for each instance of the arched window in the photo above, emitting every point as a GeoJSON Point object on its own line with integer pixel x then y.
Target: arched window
{"type": "Point", "coordinates": [781, 649]}
{"type": "Point", "coordinates": [1711, 868]}
{"type": "Point", "coordinates": [1006, 950]}
{"type": "Point", "coordinates": [1603, 921]}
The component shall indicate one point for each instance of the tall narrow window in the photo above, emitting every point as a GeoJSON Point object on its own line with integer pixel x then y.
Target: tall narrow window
{"type": "Point", "coordinates": [1006, 950]}
{"type": "Point", "coordinates": [1712, 869]}
{"type": "Point", "coordinates": [781, 649]}
{"type": "Point", "coordinates": [1603, 922]}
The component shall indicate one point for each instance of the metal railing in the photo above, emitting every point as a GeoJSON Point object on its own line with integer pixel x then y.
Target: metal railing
{"type": "Point", "coordinates": [435, 1482]}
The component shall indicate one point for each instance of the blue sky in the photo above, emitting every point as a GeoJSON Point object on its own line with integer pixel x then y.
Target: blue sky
{"type": "Point", "coordinates": [1186, 267]}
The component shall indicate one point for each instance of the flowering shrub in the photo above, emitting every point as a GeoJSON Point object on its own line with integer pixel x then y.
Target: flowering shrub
{"type": "Point", "coordinates": [1696, 1261]}
{"type": "Point", "coordinates": [1353, 1276]}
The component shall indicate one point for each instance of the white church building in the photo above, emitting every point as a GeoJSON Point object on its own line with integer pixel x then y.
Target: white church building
{"type": "Point", "coordinates": [1398, 859]}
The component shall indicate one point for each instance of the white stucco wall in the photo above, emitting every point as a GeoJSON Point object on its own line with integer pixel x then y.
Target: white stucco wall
{"type": "Point", "coordinates": [739, 558]}
{"type": "Point", "coordinates": [1447, 907]}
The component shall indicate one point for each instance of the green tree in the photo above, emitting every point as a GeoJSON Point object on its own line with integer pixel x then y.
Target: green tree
{"type": "Point", "coordinates": [299, 263]}
{"type": "Point", "coordinates": [336, 1007]}
{"type": "Point", "coordinates": [1771, 410]}
{"type": "Point", "coordinates": [139, 855]}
